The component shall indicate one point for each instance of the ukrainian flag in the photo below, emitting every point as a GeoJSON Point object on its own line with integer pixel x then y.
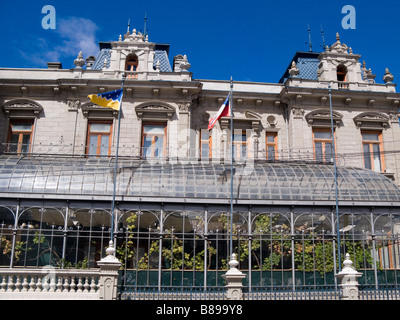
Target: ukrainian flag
{"type": "Point", "coordinates": [110, 99]}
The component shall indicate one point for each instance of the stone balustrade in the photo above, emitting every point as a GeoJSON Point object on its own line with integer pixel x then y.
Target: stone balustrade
{"type": "Point", "coordinates": [49, 283]}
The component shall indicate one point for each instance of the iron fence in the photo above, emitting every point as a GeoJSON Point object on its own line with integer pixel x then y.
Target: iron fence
{"type": "Point", "coordinates": [274, 249]}
{"type": "Point", "coordinates": [277, 293]}
{"type": "Point", "coordinates": [219, 293]}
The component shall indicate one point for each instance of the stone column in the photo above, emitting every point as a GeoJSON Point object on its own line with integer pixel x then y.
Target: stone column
{"type": "Point", "coordinates": [234, 278]}
{"type": "Point", "coordinates": [349, 280]}
{"type": "Point", "coordinates": [108, 280]}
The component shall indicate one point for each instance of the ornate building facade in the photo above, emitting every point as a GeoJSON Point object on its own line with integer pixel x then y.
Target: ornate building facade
{"type": "Point", "coordinates": [171, 224]}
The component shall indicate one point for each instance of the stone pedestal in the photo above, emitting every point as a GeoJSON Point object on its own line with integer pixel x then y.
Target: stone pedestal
{"type": "Point", "coordinates": [348, 278]}
{"type": "Point", "coordinates": [234, 278]}
{"type": "Point", "coordinates": [108, 280]}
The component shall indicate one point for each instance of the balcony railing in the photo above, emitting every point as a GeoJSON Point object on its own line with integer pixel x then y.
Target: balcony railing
{"type": "Point", "coordinates": [169, 154]}
{"type": "Point", "coordinates": [343, 85]}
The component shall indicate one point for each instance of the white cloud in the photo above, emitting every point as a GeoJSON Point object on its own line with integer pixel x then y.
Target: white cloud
{"type": "Point", "coordinates": [72, 35]}
{"type": "Point", "coordinates": [78, 34]}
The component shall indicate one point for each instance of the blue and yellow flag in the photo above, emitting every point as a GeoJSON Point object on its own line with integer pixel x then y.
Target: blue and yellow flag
{"type": "Point", "coordinates": [110, 99]}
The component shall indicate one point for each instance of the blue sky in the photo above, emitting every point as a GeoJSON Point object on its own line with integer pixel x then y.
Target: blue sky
{"type": "Point", "coordinates": [251, 40]}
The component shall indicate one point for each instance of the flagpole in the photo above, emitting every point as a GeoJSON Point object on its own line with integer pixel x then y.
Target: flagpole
{"type": "Point", "coordinates": [335, 175]}
{"type": "Point", "coordinates": [231, 217]}
{"type": "Point", "coordinates": [116, 163]}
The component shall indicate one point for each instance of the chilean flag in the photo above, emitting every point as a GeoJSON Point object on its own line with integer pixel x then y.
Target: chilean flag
{"type": "Point", "coordinates": [224, 111]}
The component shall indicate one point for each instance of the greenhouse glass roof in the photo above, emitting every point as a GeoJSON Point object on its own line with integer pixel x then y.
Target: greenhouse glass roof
{"type": "Point", "coordinates": [84, 178]}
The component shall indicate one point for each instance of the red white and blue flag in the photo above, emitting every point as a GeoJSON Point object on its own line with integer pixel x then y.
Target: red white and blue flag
{"type": "Point", "coordinates": [224, 111]}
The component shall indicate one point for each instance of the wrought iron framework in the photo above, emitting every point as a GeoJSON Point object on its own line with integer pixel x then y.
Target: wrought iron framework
{"type": "Point", "coordinates": [288, 247]}
{"type": "Point", "coordinates": [171, 226]}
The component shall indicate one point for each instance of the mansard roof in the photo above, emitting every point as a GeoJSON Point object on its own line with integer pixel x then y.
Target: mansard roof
{"type": "Point", "coordinates": [160, 54]}
{"type": "Point", "coordinates": [103, 55]}
{"type": "Point", "coordinates": [139, 180]}
{"type": "Point", "coordinates": [307, 63]}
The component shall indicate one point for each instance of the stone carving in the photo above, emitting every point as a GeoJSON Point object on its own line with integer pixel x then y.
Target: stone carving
{"type": "Point", "coordinates": [22, 105]}
{"type": "Point", "coordinates": [294, 71]}
{"type": "Point", "coordinates": [298, 112]}
{"type": "Point", "coordinates": [184, 107]}
{"type": "Point", "coordinates": [338, 47]}
{"type": "Point", "coordinates": [56, 90]}
{"type": "Point", "coordinates": [158, 66]}
{"type": "Point", "coordinates": [299, 99]}
{"type": "Point", "coordinates": [324, 117]}
{"type": "Point", "coordinates": [371, 102]}
{"type": "Point", "coordinates": [367, 74]}
{"type": "Point", "coordinates": [129, 91]}
{"type": "Point", "coordinates": [24, 91]}
{"type": "Point", "coordinates": [135, 36]}
{"type": "Point", "coordinates": [79, 61]}
{"type": "Point", "coordinates": [379, 119]}
{"type": "Point", "coordinates": [372, 117]}
{"type": "Point", "coordinates": [388, 77]}
{"type": "Point", "coordinates": [271, 121]}
{"type": "Point", "coordinates": [89, 107]}
{"type": "Point", "coordinates": [394, 117]}
{"type": "Point", "coordinates": [181, 63]}
{"type": "Point", "coordinates": [155, 111]}
{"type": "Point", "coordinates": [73, 105]}
{"type": "Point", "coordinates": [395, 104]}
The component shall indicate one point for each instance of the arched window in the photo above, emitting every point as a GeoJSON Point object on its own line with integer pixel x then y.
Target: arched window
{"type": "Point", "coordinates": [341, 72]}
{"type": "Point", "coordinates": [131, 66]}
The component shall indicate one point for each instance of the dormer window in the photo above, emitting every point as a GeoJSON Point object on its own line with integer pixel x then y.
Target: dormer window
{"type": "Point", "coordinates": [131, 66]}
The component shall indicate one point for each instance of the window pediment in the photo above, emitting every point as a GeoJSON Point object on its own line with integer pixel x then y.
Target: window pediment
{"type": "Point", "coordinates": [92, 110]}
{"type": "Point", "coordinates": [372, 120]}
{"type": "Point", "coordinates": [252, 120]}
{"type": "Point", "coordinates": [22, 108]}
{"type": "Point", "coordinates": [322, 118]}
{"type": "Point", "coordinates": [155, 111]}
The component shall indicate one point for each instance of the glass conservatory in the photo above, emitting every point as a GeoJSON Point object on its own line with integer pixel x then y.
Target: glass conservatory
{"type": "Point", "coordinates": [172, 220]}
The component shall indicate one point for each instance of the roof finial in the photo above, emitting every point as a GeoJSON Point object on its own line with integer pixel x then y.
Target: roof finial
{"type": "Point", "coordinates": [294, 71]}
{"type": "Point", "coordinates": [145, 24]}
{"type": "Point", "coordinates": [388, 77]}
{"type": "Point", "coordinates": [129, 22]}
{"type": "Point", "coordinates": [309, 39]}
{"type": "Point", "coordinates": [323, 38]}
{"type": "Point", "coordinates": [337, 36]}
